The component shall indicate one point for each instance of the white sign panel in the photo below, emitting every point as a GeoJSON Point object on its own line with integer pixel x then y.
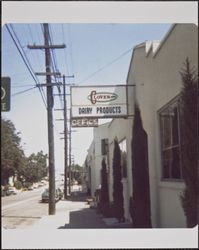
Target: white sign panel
{"type": "Point", "coordinates": [99, 101]}
{"type": "Point", "coordinates": [84, 122]}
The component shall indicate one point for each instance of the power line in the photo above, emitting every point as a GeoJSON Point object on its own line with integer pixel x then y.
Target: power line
{"type": "Point", "coordinates": [21, 92]}
{"type": "Point", "coordinates": [24, 57]}
{"type": "Point", "coordinates": [106, 65]}
{"type": "Point", "coordinates": [36, 55]}
{"type": "Point", "coordinates": [22, 86]}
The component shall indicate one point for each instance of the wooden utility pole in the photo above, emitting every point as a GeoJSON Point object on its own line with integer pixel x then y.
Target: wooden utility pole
{"type": "Point", "coordinates": [49, 91]}
{"type": "Point", "coordinates": [65, 141]}
{"type": "Point", "coordinates": [70, 159]}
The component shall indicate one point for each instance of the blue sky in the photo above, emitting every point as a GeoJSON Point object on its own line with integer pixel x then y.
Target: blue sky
{"type": "Point", "coordinates": [90, 48]}
{"type": "Point", "coordinates": [97, 34]}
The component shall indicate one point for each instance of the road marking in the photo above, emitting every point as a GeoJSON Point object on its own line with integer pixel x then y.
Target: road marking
{"type": "Point", "coordinates": [18, 203]}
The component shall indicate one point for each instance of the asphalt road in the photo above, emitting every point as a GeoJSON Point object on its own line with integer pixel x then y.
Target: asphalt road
{"type": "Point", "coordinates": [23, 209]}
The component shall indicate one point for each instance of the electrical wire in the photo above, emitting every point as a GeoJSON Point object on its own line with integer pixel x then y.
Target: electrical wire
{"type": "Point", "coordinates": [55, 68]}
{"type": "Point", "coordinates": [106, 65]}
{"type": "Point", "coordinates": [21, 92]}
{"type": "Point", "coordinates": [37, 58]}
{"type": "Point", "coordinates": [24, 58]}
{"type": "Point", "coordinates": [22, 86]}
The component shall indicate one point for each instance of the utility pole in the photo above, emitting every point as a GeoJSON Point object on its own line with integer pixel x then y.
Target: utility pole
{"type": "Point", "coordinates": [50, 102]}
{"type": "Point", "coordinates": [65, 141]}
{"type": "Point", "coordinates": [70, 159]}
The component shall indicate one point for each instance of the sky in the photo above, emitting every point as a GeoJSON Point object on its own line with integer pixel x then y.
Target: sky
{"type": "Point", "coordinates": [96, 53]}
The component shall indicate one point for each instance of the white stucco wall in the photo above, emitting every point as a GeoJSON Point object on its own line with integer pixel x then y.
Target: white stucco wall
{"type": "Point", "coordinates": [155, 72]}
{"type": "Point", "coordinates": [158, 81]}
{"type": "Point", "coordinates": [122, 129]}
{"type": "Point", "coordinates": [100, 132]}
{"type": "Point", "coordinates": [91, 165]}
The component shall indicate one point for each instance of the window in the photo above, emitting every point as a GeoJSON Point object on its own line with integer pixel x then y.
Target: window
{"type": "Point", "coordinates": [122, 145]}
{"type": "Point", "coordinates": [170, 141]}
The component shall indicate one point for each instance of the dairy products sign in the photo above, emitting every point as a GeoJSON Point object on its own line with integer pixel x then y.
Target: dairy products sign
{"type": "Point", "coordinates": [99, 101]}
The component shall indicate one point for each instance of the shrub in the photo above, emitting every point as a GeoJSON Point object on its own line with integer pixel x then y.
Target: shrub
{"type": "Point", "coordinates": [104, 195]}
{"type": "Point", "coordinates": [140, 204]}
{"type": "Point", "coordinates": [118, 209]}
{"type": "Point", "coordinates": [27, 184]}
{"type": "Point", "coordinates": [18, 184]}
{"type": "Point", "coordinates": [189, 142]}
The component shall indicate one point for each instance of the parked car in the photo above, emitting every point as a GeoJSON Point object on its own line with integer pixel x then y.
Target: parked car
{"type": "Point", "coordinates": [11, 190]}
{"type": "Point", "coordinates": [45, 195]}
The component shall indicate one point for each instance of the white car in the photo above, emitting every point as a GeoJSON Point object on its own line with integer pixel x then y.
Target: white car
{"type": "Point", "coordinates": [12, 190]}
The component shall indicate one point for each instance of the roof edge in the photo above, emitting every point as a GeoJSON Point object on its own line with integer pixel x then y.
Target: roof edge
{"type": "Point", "coordinates": [164, 39]}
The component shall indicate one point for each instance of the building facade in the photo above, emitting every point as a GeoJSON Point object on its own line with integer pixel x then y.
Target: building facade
{"type": "Point", "coordinates": [155, 83]}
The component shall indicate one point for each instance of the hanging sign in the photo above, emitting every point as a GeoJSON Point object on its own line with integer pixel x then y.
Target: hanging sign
{"type": "Point", "coordinates": [99, 101]}
{"type": "Point", "coordinates": [84, 122]}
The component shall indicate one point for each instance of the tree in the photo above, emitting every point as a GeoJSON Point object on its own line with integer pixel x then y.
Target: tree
{"type": "Point", "coordinates": [118, 200]}
{"type": "Point", "coordinates": [36, 167]}
{"type": "Point", "coordinates": [76, 172]}
{"type": "Point", "coordinates": [189, 142]}
{"type": "Point", "coordinates": [12, 156]}
{"type": "Point", "coordinates": [104, 194]}
{"type": "Point", "coordinates": [140, 202]}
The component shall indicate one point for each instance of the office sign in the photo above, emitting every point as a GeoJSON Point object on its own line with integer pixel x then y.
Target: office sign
{"type": "Point", "coordinates": [99, 101]}
{"type": "Point", "coordinates": [84, 122]}
{"type": "Point", "coordinates": [5, 94]}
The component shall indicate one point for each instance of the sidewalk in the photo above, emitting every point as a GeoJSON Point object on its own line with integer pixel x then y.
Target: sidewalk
{"type": "Point", "coordinates": [72, 213]}
{"type": "Point", "coordinates": [76, 213]}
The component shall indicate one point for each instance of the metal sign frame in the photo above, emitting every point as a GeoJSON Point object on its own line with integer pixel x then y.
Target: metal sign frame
{"type": "Point", "coordinates": [126, 115]}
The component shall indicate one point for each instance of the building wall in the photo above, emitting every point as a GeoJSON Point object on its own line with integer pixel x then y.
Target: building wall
{"type": "Point", "coordinates": [91, 167]}
{"type": "Point", "coordinates": [158, 81]}
{"type": "Point", "coordinates": [154, 70]}
{"type": "Point", "coordinates": [122, 129]}
{"type": "Point", "coordinates": [100, 132]}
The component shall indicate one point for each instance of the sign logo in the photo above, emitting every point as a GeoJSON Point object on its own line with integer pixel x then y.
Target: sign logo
{"type": "Point", "coordinates": [95, 97]}
{"type": "Point", "coordinates": [5, 94]}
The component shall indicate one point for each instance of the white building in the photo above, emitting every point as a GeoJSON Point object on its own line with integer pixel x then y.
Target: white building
{"type": "Point", "coordinates": [154, 70]}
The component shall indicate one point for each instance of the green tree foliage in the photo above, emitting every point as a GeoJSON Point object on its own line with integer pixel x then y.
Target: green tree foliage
{"type": "Point", "coordinates": [140, 202]}
{"type": "Point", "coordinates": [104, 194]}
{"type": "Point", "coordinates": [12, 156]}
{"type": "Point", "coordinates": [14, 162]}
{"type": "Point", "coordinates": [76, 172]}
{"type": "Point", "coordinates": [36, 167]}
{"type": "Point", "coordinates": [118, 200]}
{"type": "Point", "coordinates": [189, 142]}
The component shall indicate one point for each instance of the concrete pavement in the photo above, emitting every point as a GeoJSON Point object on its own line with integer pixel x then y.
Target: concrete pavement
{"type": "Point", "coordinates": [72, 213]}
{"type": "Point", "coordinates": [76, 213]}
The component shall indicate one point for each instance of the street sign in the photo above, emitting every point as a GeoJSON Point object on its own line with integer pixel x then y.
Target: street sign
{"type": "Point", "coordinates": [106, 101]}
{"type": "Point", "coordinates": [84, 122]}
{"type": "Point", "coordinates": [5, 94]}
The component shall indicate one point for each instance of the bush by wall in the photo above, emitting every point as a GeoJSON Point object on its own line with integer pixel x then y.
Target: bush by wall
{"type": "Point", "coordinates": [118, 200]}
{"type": "Point", "coordinates": [140, 202]}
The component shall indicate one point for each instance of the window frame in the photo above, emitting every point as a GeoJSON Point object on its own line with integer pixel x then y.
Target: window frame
{"type": "Point", "coordinates": [173, 103]}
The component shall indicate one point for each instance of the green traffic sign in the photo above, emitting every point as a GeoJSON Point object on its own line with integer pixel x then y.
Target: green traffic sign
{"type": "Point", "coordinates": [5, 94]}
